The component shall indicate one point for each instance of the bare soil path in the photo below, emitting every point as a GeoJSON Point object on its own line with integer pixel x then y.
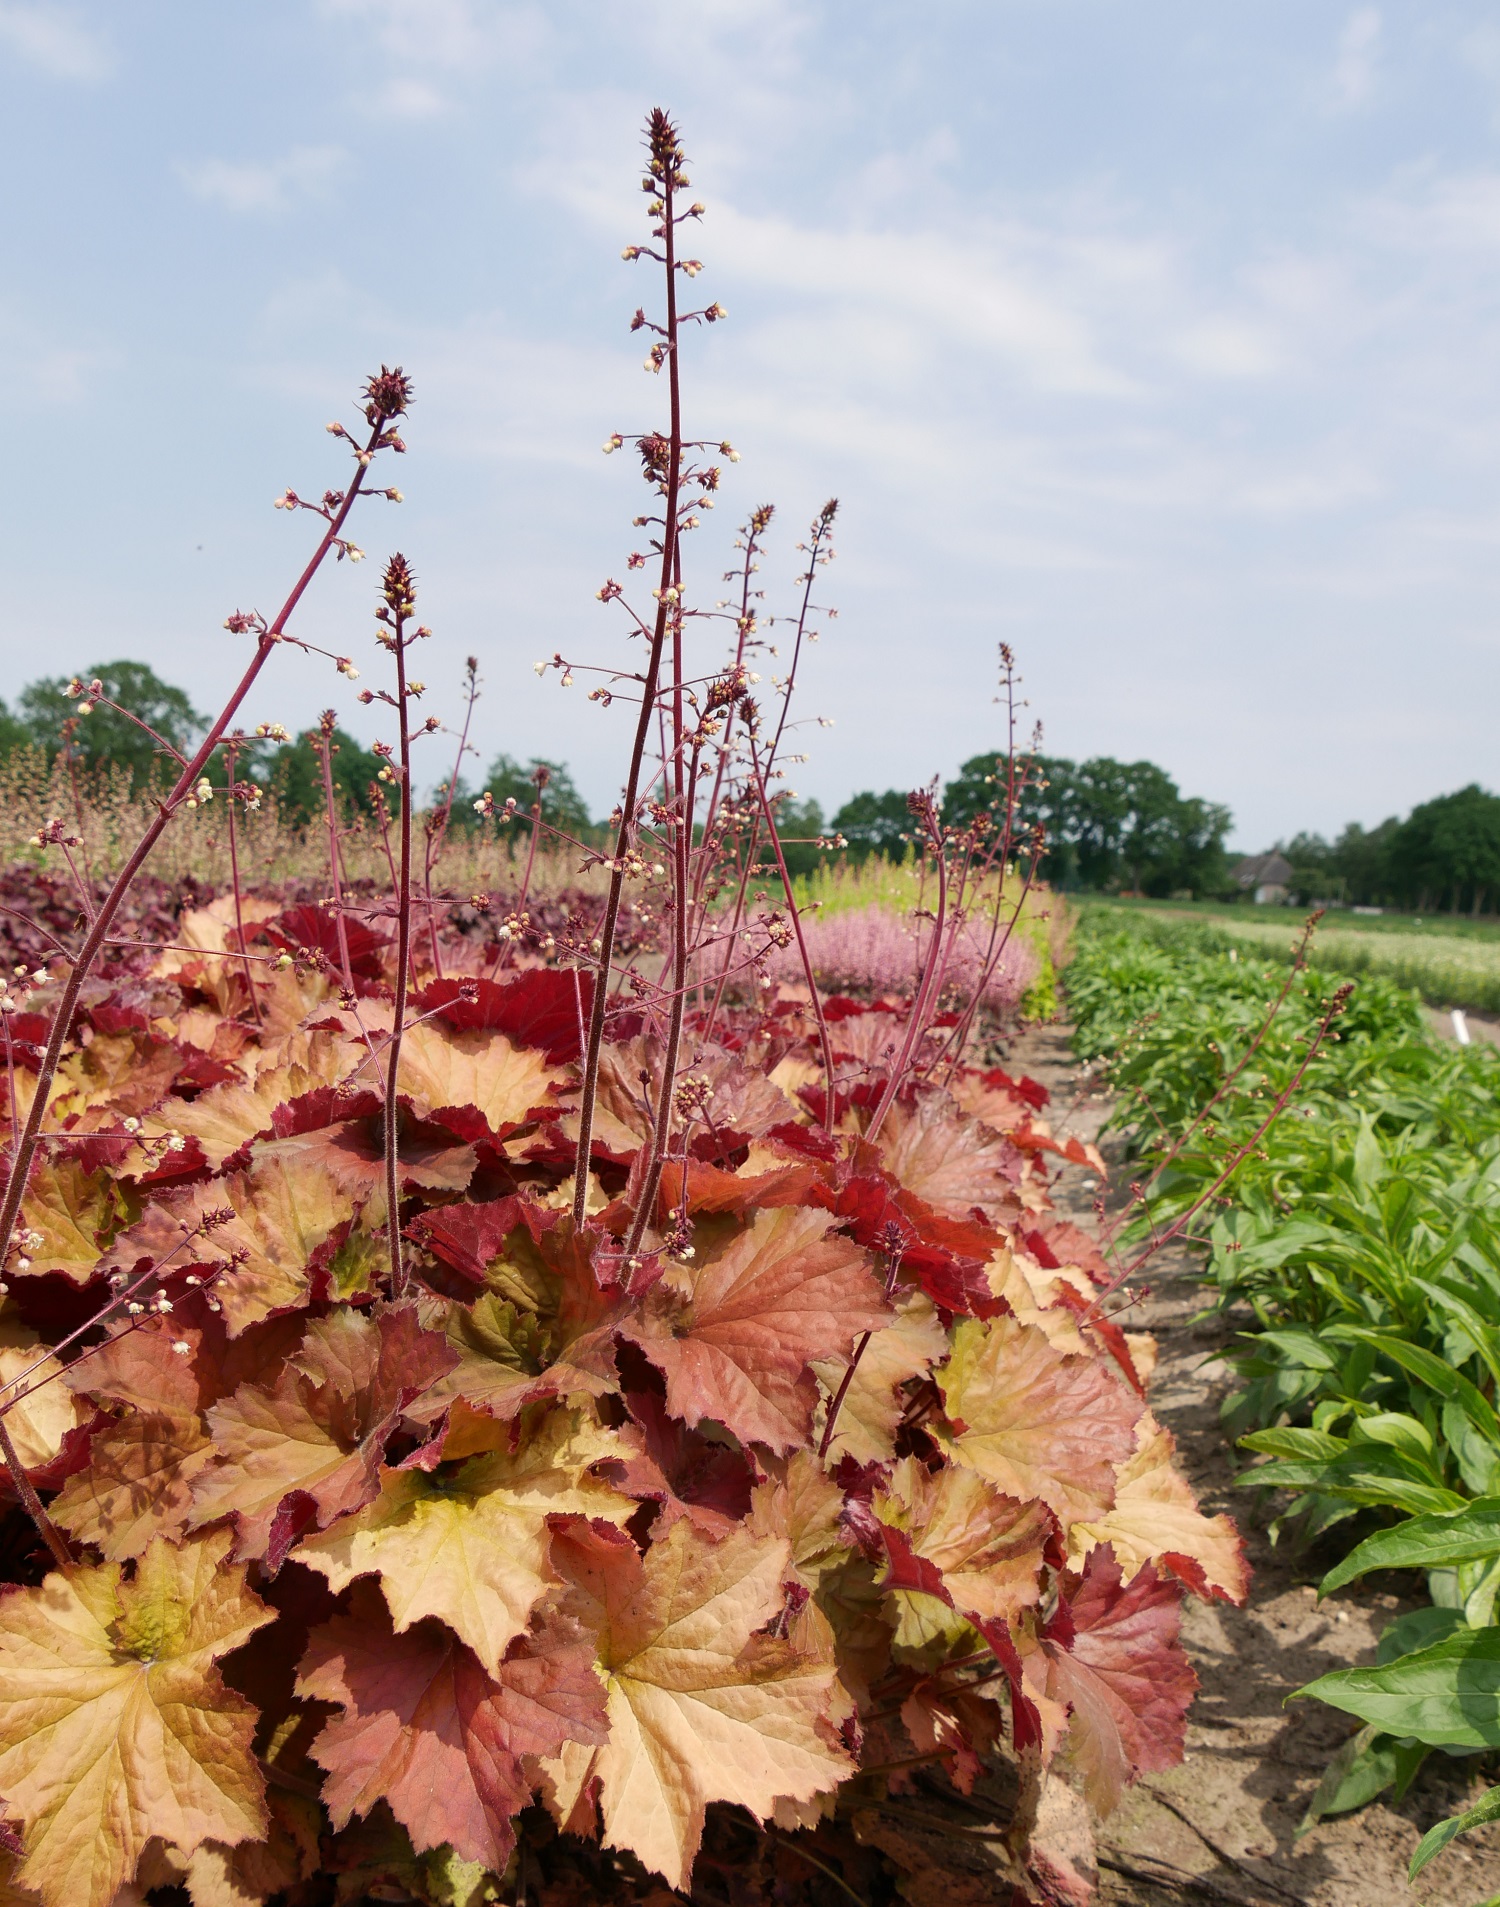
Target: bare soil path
{"type": "Point", "coordinates": [1222, 1827]}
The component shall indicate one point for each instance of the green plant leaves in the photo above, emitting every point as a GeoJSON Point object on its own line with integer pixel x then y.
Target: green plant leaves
{"type": "Point", "coordinates": [1426, 1542]}
{"type": "Point", "coordinates": [1432, 1843]}
{"type": "Point", "coordinates": [1447, 1696]}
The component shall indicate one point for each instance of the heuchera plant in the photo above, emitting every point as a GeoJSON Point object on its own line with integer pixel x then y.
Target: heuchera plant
{"type": "Point", "coordinates": [447, 1374]}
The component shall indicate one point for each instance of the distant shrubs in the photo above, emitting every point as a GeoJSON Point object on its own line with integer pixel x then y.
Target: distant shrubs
{"type": "Point", "coordinates": [873, 950]}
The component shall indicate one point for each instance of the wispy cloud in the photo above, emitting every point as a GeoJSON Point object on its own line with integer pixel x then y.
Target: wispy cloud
{"type": "Point", "coordinates": [49, 372]}
{"type": "Point", "coordinates": [56, 40]}
{"type": "Point", "coordinates": [433, 46]}
{"type": "Point", "coordinates": [304, 173]}
{"type": "Point", "coordinates": [1358, 54]}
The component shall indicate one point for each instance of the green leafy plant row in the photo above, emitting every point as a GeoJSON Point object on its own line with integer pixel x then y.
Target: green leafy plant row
{"type": "Point", "coordinates": [1360, 1236]}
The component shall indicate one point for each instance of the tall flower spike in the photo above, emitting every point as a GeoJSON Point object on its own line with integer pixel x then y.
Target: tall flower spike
{"type": "Point", "coordinates": [400, 586]}
{"type": "Point", "coordinates": [387, 395]}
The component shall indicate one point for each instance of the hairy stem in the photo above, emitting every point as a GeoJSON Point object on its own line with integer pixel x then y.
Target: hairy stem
{"type": "Point", "coordinates": [796, 918]}
{"type": "Point", "coordinates": [403, 970]}
{"type": "Point", "coordinates": [643, 726]}
{"type": "Point", "coordinates": [25, 1152]}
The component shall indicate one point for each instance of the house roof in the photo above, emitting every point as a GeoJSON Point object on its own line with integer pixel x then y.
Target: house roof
{"type": "Point", "coordinates": [1264, 870]}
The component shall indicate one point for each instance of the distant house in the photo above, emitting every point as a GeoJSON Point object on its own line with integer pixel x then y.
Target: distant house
{"type": "Point", "coordinates": [1266, 878]}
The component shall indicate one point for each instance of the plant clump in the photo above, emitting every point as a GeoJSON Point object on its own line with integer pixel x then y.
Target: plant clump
{"type": "Point", "coordinates": [461, 1392]}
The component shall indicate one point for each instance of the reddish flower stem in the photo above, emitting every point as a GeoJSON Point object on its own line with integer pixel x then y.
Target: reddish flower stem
{"type": "Point", "coordinates": [1299, 962]}
{"type": "Point", "coordinates": [234, 876]}
{"type": "Point", "coordinates": [796, 918]}
{"type": "Point", "coordinates": [1283, 1100]}
{"type": "Point", "coordinates": [403, 973]}
{"type": "Point", "coordinates": [88, 953]}
{"type": "Point", "coordinates": [330, 809]}
{"type": "Point", "coordinates": [920, 1006]}
{"type": "Point", "coordinates": [643, 725]}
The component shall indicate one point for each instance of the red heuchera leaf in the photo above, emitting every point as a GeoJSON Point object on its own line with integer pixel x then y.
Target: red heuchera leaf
{"type": "Point", "coordinates": [1031, 1090]}
{"type": "Point", "coordinates": [471, 1237]}
{"type": "Point", "coordinates": [1112, 1654]}
{"type": "Point", "coordinates": [945, 1256]}
{"type": "Point", "coordinates": [1103, 1328]}
{"type": "Point", "coordinates": [948, 1159]}
{"type": "Point", "coordinates": [322, 1107]}
{"type": "Point", "coordinates": [734, 1337]}
{"type": "Point", "coordinates": [320, 1428]}
{"type": "Point", "coordinates": [306, 928]}
{"type": "Point", "coordinates": [1033, 1138]}
{"type": "Point", "coordinates": [687, 1473]}
{"type": "Point", "coordinates": [425, 1728]}
{"type": "Point", "coordinates": [810, 1141]}
{"type": "Point", "coordinates": [1054, 1242]}
{"type": "Point", "coordinates": [541, 1009]}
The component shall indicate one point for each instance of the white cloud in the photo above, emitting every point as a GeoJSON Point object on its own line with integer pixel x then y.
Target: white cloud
{"type": "Point", "coordinates": [412, 99]}
{"type": "Point", "coordinates": [56, 40]}
{"type": "Point", "coordinates": [1228, 347]}
{"type": "Point", "coordinates": [1359, 50]}
{"type": "Point", "coordinates": [50, 372]}
{"type": "Point", "coordinates": [306, 172]}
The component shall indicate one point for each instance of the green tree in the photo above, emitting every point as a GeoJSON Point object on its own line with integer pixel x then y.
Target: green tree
{"type": "Point", "coordinates": [1108, 823]}
{"type": "Point", "coordinates": [563, 807]}
{"type": "Point", "coordinates": [1361, 859]}
{"type": "Point", "coordinates": [799, 824]}
{"type": "Point", "coordinates": [294, 774]}
{"type": "Point", "coordinates": [874, 824]}
{"type": "Point", "coordinates": [1447, 851]}
{"type": "Point", "coordinates": [1314, 875]}
{"type": "Point", "coordinates": [105, 736]}
{"type": "Point", "coordinates": [13, 732]}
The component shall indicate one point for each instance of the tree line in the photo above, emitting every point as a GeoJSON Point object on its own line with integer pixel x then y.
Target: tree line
{"type": "Point", "coordinates": [1109, 826]}
{"type": "Point", "coordinates": [1443, 858]}
{"type": "Point", "coordinates": [47, 717]}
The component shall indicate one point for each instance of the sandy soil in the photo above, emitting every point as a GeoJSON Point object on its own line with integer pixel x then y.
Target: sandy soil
{"type": "Point", "coordinates": [1222, 1827]}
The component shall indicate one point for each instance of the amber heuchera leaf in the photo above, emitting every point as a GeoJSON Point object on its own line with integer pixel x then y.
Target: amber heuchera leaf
{"type": "Point", "coordinates": [283, 1211]}
{"type": "Point", "coordinates": [1036, 1423]}
{"type": "Point", "coordinates": [1156, 1519]}
{"type": "Point", "coordinates": [227, 1117]}
{"type": "Point", "coordinates": [40, 1409]}
{"type": "Point", "coordinates": [987, 1546]}
{"type": "Point", "coordinates": [321, 1428]}
{"type": "Point", "coordinates": [470, 1543]}
{"type": "Point", "coordinates": [114, 1723]}
{"type": "Point", "coordinates": [441, 1069]}
{"type": "Point", "coordinates": [74, 1212]}
{"type": "Point", "coordinates": [735, 1336]}
{"type": "Point", "coordinates": [701, 1707]}
{"type": "Point", "coordinates": [948, 1158]}
{"type": "Point", "coordinates": [545, 1327]}
{"type": "Point", "coordinates": [1112, 1654]}
{"type": "Point", "coordinates": [907, 1347]}
{"type": "Point", "coordinates": [137, 1484]}
{"type": "Point", "coordinates": [427, 1730]}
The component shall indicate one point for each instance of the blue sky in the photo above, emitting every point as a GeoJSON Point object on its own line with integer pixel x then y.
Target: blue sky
{"type": "Point", "coordinates": [1159, 340]}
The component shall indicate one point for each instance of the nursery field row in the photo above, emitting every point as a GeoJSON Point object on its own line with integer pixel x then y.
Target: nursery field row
{"type": "Point", "coordinates": [1450, 963]}
{"type": "Point", "coordinates": [1358, 1235]}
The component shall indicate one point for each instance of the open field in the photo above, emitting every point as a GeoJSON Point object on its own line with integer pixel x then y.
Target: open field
{"type": "Point", "coordinates": [1450, 962]}
{"type": "Point", "coordinates": [1345, 919]}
